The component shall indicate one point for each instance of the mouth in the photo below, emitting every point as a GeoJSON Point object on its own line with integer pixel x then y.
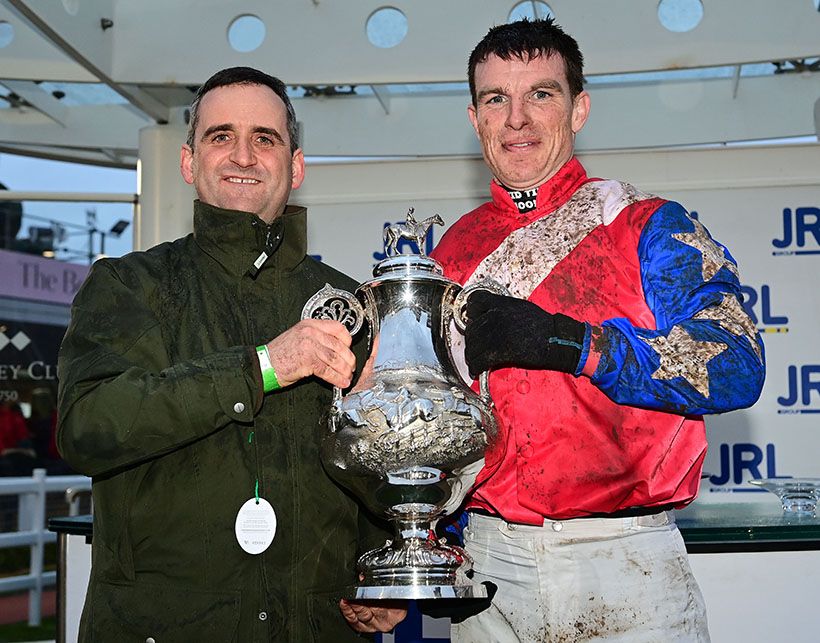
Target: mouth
{"type": "Point", "coordinates": [519, 146]}
{"type": "Point", "coordinates": [240, 180]}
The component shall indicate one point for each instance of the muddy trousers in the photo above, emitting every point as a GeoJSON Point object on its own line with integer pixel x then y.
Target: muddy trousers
{"type": "Point", "coordinates": [591, 579]}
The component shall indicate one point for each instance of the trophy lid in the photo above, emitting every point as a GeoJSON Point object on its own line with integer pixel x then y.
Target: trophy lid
{"type": "Point", "coordinates": [404, 267]}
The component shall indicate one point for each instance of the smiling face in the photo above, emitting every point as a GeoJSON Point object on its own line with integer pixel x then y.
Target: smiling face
{"type": "Point", "coordinates": [525, 118]}
{"type": "Point", "coordinates": [241, 158]}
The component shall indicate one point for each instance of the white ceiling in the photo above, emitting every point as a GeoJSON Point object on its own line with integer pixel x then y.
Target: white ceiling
{"type": "Point", "coordinates": [81, 77]}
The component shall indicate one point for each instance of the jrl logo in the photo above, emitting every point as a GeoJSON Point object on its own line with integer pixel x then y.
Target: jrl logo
{"type": "Point", "coordinates": [801, 387]}
{"type": "Point", "coordinates": [735, 459]}
{"type": "Point", "coordinates": [797, 227]}
{"type": "Point", "coordinates": [766, 322]}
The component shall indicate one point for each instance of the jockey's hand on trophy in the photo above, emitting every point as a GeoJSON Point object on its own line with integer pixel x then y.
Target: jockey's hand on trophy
{"type": "Point", "coordinates": [507, 331]}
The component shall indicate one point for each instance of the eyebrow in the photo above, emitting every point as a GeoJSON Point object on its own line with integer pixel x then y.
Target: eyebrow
{"type": "Point", "coordinates": [228, 127]}
{"type": "Point", "coordinates": [553, 85]}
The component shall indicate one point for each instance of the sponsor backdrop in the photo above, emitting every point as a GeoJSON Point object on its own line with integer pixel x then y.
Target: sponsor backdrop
{"type": "Point", "coordinates": [774, 234]}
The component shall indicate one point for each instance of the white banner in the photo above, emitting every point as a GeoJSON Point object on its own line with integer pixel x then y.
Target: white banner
{"type": "Point", "coordinates": [774, 234]}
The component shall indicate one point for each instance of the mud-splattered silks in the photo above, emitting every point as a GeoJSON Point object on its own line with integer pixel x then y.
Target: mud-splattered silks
{"type": "Point", "coordinates": [673, 342]}
{"type": "Point", "coordinates": [525, 258]}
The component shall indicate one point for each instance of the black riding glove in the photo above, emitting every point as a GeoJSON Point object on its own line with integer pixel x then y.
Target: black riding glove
{"type": "Point", "coordinates": [506, 331]}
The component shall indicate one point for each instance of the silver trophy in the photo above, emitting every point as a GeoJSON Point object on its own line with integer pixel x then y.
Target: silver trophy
{"type": "Point", "coordinates": [410, 437]}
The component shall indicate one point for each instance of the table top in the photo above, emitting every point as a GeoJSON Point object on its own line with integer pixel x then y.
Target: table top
{"type": "Point", "coordinates": [747, 526]}
{"type": "Point", "coordinates": [705, 527]}
{"type": "Point", "coordinates": [73, 525]}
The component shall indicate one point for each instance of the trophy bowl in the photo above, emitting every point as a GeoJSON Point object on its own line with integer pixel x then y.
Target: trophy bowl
{"type": "Point", "coordinates": [410, 437]}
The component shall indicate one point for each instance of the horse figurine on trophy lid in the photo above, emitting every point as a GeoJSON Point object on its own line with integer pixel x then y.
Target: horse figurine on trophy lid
{"type": "Point", "coordinates": [411, 230]}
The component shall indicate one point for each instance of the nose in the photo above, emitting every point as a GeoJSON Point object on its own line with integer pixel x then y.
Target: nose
{"type": "Point", "coordinates": [242, 153]}
{"type": "Point", "coordinates": [518, 115]}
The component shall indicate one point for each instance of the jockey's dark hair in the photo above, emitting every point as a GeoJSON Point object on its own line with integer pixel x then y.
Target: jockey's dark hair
{"type": "Point", "coordinates": [526, 39]}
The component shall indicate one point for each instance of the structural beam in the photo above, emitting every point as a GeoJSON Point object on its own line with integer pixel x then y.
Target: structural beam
{"type": "Point", "coordinates": [638, 116]}
{"type": "Point", "coordinates": [52, 32]}
{"type": "Point", "coordinates": [89, 126]}
{"type": "Point", "coordinates": [39, 99]}
{"type": "Point", "coordinates": [650, 115]}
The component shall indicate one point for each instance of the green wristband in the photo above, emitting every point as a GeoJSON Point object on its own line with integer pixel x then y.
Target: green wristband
{"type": "Point", "coordinates": [269, 381]}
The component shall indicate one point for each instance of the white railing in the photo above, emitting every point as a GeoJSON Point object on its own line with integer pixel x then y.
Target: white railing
{"type": "Point", "coordinates": [32, 532]}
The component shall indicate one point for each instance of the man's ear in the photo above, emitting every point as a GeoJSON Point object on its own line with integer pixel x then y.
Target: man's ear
{"type": "Point", "coordinates": [186, 160]}
{"type": "Point", "coordinates": [471, 113]}
{"type": "Point", "coordinates": [298, 169]}
{"type": "Point", "coordinates": [580, 111]}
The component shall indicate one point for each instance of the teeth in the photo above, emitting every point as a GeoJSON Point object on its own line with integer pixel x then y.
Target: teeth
{"type": "Point", "coordinates": [234, 179]}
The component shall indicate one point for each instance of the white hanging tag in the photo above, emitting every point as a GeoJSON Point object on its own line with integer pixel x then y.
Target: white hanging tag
{"type": "Point", "coordinates": [255, 525]}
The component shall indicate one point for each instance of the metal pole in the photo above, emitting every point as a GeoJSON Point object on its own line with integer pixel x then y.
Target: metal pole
{"type": "Point", "coordinates": [72, 197]}
{"type": "Point", "coordinates": [62, 546]}
{"type": "Point", "coordinates": [35, 595]}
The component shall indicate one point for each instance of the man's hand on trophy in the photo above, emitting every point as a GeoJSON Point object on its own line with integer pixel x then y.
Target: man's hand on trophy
{"type": "Point", "coordinates": [319, 347]}
{"type": "Point", "coordinates": [506, 331]}
{"type": "Point", "coordinates": [373, 616]}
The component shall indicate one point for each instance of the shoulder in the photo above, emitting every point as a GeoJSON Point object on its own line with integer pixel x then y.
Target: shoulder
{"type": "Point", "coordinates": [142, 269]}
{"type": "Point", "coordinates": [462, 227]}
{"type": "Point", "coordinates": [615, 198]}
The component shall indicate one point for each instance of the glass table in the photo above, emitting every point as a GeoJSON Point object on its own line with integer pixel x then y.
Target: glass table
{"type": "Point", "coordinates": [748, 526]}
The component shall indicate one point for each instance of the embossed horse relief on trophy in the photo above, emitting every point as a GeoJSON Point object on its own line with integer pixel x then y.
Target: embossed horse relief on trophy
{"type": "Point", "coordinates": [410, 436]}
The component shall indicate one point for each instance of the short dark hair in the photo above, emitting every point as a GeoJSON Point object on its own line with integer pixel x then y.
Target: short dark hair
{"type": "Point", "coordinates": [530, 39]}
{"type": "Point", "coordinates": [243, 76]}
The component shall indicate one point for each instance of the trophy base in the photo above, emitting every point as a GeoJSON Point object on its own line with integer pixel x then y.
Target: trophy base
{"type": "Point", "coordinates": [415, 592]}
{"type": "Point", "coordinates": [416, 565]}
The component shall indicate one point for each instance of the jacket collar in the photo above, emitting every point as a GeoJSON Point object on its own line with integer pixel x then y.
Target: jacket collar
{"type": "Point", "coordinates": [551, 194]}
{"type": "Point", "coordinates": [235, 239]}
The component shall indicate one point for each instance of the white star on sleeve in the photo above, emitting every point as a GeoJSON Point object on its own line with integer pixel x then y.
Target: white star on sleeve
{"type": "Point", "coordinates": [683, 356]}
{"type": "Point", "coordinates": [729, 314]}
{"type": "Point", "coordinates": [714, 258]}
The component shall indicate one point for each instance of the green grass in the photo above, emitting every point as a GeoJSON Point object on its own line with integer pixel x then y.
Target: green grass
{"type": "Point", "coordinates": [18, 632]}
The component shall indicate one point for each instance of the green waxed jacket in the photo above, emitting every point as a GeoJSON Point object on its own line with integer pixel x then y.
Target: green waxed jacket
{"type": "Point", "coordinates": [161, 402]}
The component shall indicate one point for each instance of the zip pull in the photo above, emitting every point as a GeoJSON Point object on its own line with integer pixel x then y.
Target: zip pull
{"type": "Point", "coordinates": [271, 244]}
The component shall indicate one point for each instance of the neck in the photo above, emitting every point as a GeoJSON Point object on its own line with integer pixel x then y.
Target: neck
{"type": "Point", "coordinates": [525, 200]}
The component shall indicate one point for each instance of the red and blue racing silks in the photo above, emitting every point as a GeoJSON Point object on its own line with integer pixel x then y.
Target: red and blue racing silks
{"type": "Point", "coordinates": [667, 341]}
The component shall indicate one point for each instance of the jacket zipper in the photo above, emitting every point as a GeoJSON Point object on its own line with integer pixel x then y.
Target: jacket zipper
{"type": "Point", "coordinates": [272, 242]}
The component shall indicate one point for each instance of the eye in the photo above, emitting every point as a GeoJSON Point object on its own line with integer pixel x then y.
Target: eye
{"type": "Point", "coordinates": [220, 138]}
{"type": "Point", "coordinates": [265, 140]}
{"type": "Point", "coordinates": [541, 94]}
{"type": "Point", "coordinates": [495, 100]}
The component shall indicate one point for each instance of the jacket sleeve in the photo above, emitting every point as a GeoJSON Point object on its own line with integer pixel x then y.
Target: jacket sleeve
{"type": "Point", "coordinates": [121, 401]}
{"type": "Point", "coordinates": [705, 355]}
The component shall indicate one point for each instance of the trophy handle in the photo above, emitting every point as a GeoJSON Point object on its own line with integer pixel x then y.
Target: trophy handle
{"type": "Point", "coordinates": [460, 319]}
{"type": "Point", "coordinates": [338, 305]}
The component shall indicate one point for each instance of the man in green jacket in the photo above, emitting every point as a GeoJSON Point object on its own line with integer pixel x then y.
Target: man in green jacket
{"type": "Point", "coordinates": [192, 393]}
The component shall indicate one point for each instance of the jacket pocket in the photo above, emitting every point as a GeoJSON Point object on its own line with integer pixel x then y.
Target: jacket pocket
{"type": "Point", "coordinates": [135, 612]}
